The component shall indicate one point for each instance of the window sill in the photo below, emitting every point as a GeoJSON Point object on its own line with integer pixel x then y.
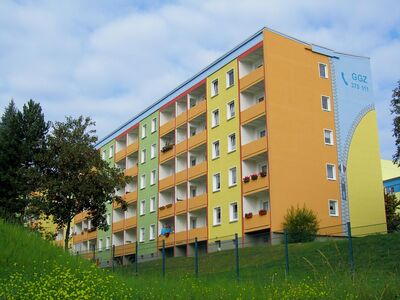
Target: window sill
{"type": "Point", "coordinates": [212, 127]}
{"type": "Point", "coordinates": [228, 87]}
{"type": "Point", "coordinates": [216, 191]}
{"type": "Point", "coordinates": [214, 158]}
{"type": "Point", "coordinates": [231, 151]}
{"type": "Point", "coordinates": [232, 185]}
{"type": "Point", "coordinates": [233, 221]}
{"type": "Point", "coordinates": [214, 95]}
{"type": "Point", "coordinates": [216, 225]}
{"type": "Point", "coordinates": [230, 118]}
{"type": "Point", "coordinates": [331, 179]}
{"type": "Point", "coordinates": [333, 215]}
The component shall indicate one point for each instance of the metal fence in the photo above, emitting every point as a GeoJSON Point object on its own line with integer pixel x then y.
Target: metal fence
{"type": "Point", "coordinates": [289, 252]}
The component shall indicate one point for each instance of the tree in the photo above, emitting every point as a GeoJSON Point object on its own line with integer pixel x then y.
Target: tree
{"type": "Point", "coordinates": [395, 110]}
{"type": "Point", "coordinates": [301, 224]}
{"type": "Point", "coordinates": [392, 207]}
{"type": "Point", "coordinates": [76, 179]}
{"type": "Point", "coordinates": [22, 139]}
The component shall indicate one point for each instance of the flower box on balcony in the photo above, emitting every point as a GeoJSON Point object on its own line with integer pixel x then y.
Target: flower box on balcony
{"type": "Point", "coordinates": [246, 179]}
{"type": "Point", "coordinates": [168, 205]}
{"type": "Point", "coordinates": [254, 176]}
{"type": "Point", "coordinates": [248, 215]}
{"type": "Point", "coordinates": [262, 212]}
{"type": "Point", "coordinates": [263, 174]}
{"type": "Point", "coordinates": [92, 229]}
{"type": "Point", "coordinates": [161, 207]}
{"type": "Point", "coordinates": [166, 148]}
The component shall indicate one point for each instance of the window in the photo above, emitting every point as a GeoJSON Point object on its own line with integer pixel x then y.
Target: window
{"type": "Point", "coordinates": [142, 181]}
{"type": "Point", "coordinates": [142, 207]}
{"type": "Point", "coordinates": [100, 246]}
{"type": "Point", "coordinates": [193, 222]}
{"type": "Point", "coordinates": [143, 156]}
{"type": "Point", "coordinates": [233, 212]}
{"type": "Point", "coordinates": [193, 191]}
{"type": "Point", "coordinates": [232, 176]}
{"type": "Point", "coordinates": [215, 150]}
{"type": "Point", "coordinates": [261, 133]}
{"type": "Point", "coordinates": [230, 110]}
{"type": "Point", "coordinates": [216, 182]}
{"type": "Point", "coordinates": [326, 103]}
{"type": "Point", "coordinates": [107, 243]}
{"type": "Point", "coordinates": [103, 155]}
{"type": "Point", "coordinates": [192, 161]}
{"type": "Point", "coordinates": [111, 153]}
{"type": "Point", "coordinates": [214, 88]}
{"type": "Point", "coordinates": [108, 219]}
{"type": "Point", "coordinates": [153, 177]}
{"type": "Point", "coordinates": [333, 208]}
{"type": "Point", "coordinates": [144, 129]}
{"type": "Point", "coordinates": [230, 78]}
{"type": "Point", "coordinates": [141, 235]}
{"type": "Point", "coordinates": [330, 172]}
{"type": "Point", "coordinates": [217, 216]}
{"type": "Point", "coordinates": [153, 151]}
{"type": "Point", "coordinates": [265, 205]}
{"type": "Point", "coordinates": [231, 142]}
{"type": "Point", "coordinates": [215, 118]}
{"type": "Point", "coordinates": [152, 232]}
{"type": "Point", "coordinates": [323, 70]}
{"type": "Point", "coordinates": [153, 125]}
{"type": "Point", "coordinates": [328, 137]}
{"type": "Point", "coordinates": [152, 204]}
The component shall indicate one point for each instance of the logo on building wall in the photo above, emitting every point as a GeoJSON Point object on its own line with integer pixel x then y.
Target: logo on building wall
{"type": "Point", "coordinates": [356, 81]}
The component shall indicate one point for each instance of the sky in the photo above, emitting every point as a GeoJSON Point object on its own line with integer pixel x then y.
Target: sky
{"type": "Point", "coordinates": [111, 59]}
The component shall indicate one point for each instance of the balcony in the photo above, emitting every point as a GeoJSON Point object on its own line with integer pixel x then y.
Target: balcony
{"type": "Point", "coordinates": [84, 236]}
{"type": "Point", "coordinates": [168, 154]}
{"type": "Point", "coordinates": [198, 139]}
{"type": "Point", "coordinates": [166, 183]}
{"type": "Point", "coordinates": [199, 233]}
{"type": "Point", "coordinates": [181, 147]}
{"type": "Point", "coordinates": [169, 240]}
{"type": "Point", "coordinates": [130, 222]}
{"type": "Point", "coordinates": [167, 127]}
{"type": "Point", "coordinates": [131, 171]}
{"type": "Point", "coordinates": [181, 119]}
{"type": "Point", "coordinates": [181, 177]}
{"type": "Point", "coordinates": [198, 170]}
{"type": "Point", "coordinates": [180, 237]}
{"type": "Point", "coordinates": [197, 110]}
{"type": "Point", "coordinates": [254, 186]}
{"type": "Point", "coordinates": [198, 202]}
{"type": "Point", "coordinates": [254, 148]}
{"type": "Point", "coordinates": [121, 154]}
{"type": "Point", "coordinates": [166, 211]}
{"type": "Point", "coordinates": [80, 217]}
{"type": "Point", "coordinates": [256, 222]}
{"type": "Point", "coordinates": [180, 207]}
{"type": "Point", "coordinates": [253, 112]}
{"type": "Point", "coordinates": [126, 249]}
{"type": "Point", "coordinates": [252, 78]}
{"type": "Point", "coordinates": [132, 148]}
{"type": "Point", "coordinates": [118, 226]}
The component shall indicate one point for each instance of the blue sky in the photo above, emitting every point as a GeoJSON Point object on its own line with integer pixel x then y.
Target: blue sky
{"type": "Point", "coordinates": [111, 59]}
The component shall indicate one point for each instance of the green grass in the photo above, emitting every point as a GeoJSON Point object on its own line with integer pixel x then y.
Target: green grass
{"type": "Point", "coordinates": [31, 268]}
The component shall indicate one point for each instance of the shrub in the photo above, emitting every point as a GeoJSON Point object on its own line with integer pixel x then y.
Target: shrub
{"type": "Point", "coordinates": [301, 224]}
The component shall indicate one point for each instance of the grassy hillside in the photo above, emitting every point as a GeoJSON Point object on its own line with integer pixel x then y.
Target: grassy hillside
{"type": "Point", "coordinates": [31, 268]}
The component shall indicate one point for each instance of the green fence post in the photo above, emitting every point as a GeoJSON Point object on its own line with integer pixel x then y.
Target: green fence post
{"type": "Point", "coordinates": [136, 258]}
{"type": "Point", "coordinates": [112, 257]}
{"type": "Point", "coordinates": [286, 253]}
{"type": "Point", "coordinates": [163, 258]}
{"type": "Point", "coordinates": [350, 248]}
{"type": "Point", "coordinates": [237, 256]}
{"type": "Point", "coordinates": [196, 258]}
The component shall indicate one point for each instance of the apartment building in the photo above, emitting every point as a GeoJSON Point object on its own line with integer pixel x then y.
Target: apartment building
{"type": "Point", "coordinates": [273, 123]}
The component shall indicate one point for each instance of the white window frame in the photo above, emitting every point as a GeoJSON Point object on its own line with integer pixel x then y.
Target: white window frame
{"type": "Point", "coordinates": [215, 223]}
{"type": "Point", "coordinates": [231, 183]}
{"type": "Point", "coordinates": [111, 152]}
{"type": "Point", "coordinates": [214, 121]}
{"type": "Point", "coordinates": [231, 213]}
{"type": "Point", "coordinates": [152, 232]}
{"type": "Point", "coordinates": [143, 181]}
{"type": "Point", "coordinates": [328, 101]}
{"type": "Point", "coordinates": [108, 219]}
{"type": "Point", "coordinates": [330, 131]}
{"type": "Point", "coordinates": [214, 92]}
{"type": "Point", "coordinates": [214, 149]}
{"type": "Point", "coordinates": [153, 150]}
{"type": "Point", "coordinates": [142, 208]}
{"type": "Point", "coordinates": [103, 155]}
{"type": "Point", "coordinates": [153, 177]}
{"type": "Point", "coordinates": [143, 155]}
{"type": "Point", "coordinates": [152, 204]}
{"type": "Point", "coordinates": [333, 171]}
{"type": "Point", "coordinates": [142, 234]}
{"type": "Point", "coordinates": [144, 131]}
{"type": "Point", "coordinates": [336, 207]}
{"type": "Point", "coordinates": [228, 85]}
{"type": "Point", "coordinates": [215, 176]}
{"type": "Point", "coordinates": [326, 70]}
{"type": "Point", "coordinates": [228, 110]}
{"type": "Point", "coordinates": [230, 149]}
{"type": "Point", "coordinates": [100, 245]}
{"type": "Point", "coordinates": [153, 125]}
{"type": "Point", "coordinates": [108, 242]}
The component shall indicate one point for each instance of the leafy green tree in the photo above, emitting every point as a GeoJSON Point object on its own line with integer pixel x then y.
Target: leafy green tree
{"type": "Point", "coordinates": [301, 224]}
{"type": "Point", "coordinates": [392, 208]}
{"type": "Point", "coordinates": [76, 179]}
{"type": "Point", "coordinates": [22, 139]}
{"type": "Point", "coordinates": [395, 110]}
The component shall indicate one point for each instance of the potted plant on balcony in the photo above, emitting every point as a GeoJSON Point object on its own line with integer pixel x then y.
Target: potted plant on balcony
{"type": "Point", "coordinates": [248, 215]}
{"type": "Point", "coordinates": [263, 174]}
{"type": "Point", "coordinates": [168, 205]}
{"type": "Point", "coordinates": [246, 179]}
{"type": "Point", "coordinates": [262, 212]}
{"type": "Point", "coordinates": [254, 176]}
{"type": "Point", "coordinates": [162, 207]}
